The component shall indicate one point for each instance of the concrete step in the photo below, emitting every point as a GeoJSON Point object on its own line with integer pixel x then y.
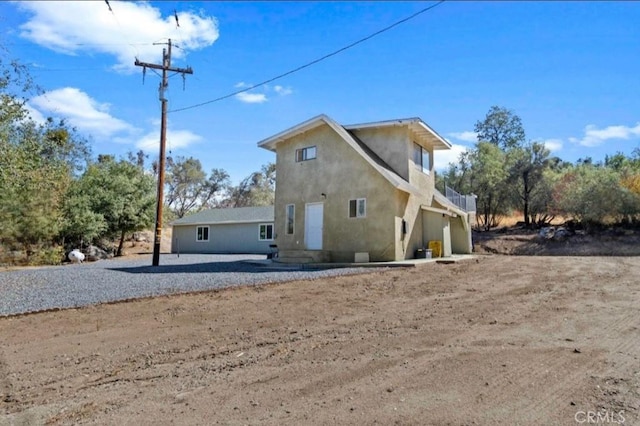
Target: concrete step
{"type": "Point", "coordinates": [293, 259]}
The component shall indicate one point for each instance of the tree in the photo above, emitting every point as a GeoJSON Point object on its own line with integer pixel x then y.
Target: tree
{"type": "Point", "coordinates": [188, 188]}
{"type": "Point", "coordinates": [37, 163]}
{"type": "Point", "coordinates": [618, 161]}
{"type": "Point", "coordinates": [81, 223]}
{"type": "Point", "coordinates": [112, 198]}
{"type": "Point", "coordinates": [501, 127]}
{"type": "Point", "coordinates": [457, 175]}
{"type": "Point", "coordinates": [258, 189]}
{"type": "Point", "coordinates": [16, 85]}
{"type": "Point", "coordinates": [591, 194]}
{"type": "Point", "coordinates": [487, 175]}
{"type": "Point", "coordinates": [527, 166]}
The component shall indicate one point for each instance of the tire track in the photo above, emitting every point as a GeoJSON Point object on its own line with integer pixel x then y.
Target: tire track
{"type": "Point", "coordinates": [559, 394]}
{"type": "Point", "coordinates": [6, 387]}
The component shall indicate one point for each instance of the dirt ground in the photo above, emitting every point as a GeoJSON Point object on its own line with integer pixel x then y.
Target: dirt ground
{"type": "Point", "coordinates": [493, 340]}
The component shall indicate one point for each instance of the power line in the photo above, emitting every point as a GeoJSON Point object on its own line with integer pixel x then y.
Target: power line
{"type": "Point", "coordinates": [122, 32]}
{"type": "Point", "coordinates": [166, 66]}
{"type": "Point", "coordinates": [315, 61]}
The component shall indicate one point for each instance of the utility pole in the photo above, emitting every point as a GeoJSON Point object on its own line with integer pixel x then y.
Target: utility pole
{"type": "Point", "coordinates": [166, 66]}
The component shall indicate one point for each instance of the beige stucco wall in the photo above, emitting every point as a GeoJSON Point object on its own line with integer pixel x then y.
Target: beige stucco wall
{"type": "Point", "coordinates": [395, 146]}
{"type": "Point", "coordinates": [384, 142]}
{"type": "Point", "coordinates": [341, 174]}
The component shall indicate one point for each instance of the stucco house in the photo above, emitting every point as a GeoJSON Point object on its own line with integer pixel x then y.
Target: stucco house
{"type": "Point", "coordinates": [361, 192]}
{"type": "Point", "coordinates": [231, 230]}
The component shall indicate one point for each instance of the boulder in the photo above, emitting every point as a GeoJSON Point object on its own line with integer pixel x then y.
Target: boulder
{"type": "Point", "coordinates": [561, 234]}
{"type": "Point", "coordinates": [547, 233]}
{"type": "Point", "coordinates": [96, 253]}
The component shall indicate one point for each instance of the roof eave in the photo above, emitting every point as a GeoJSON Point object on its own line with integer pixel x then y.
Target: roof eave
{"type": "Point", "coordinates": [436, 141]}
{"type": "Point", "coordinates": [385, 123]}
{"type": "Point", "coordinates": [416, 124]}
{"type": "Point", "coordinates": [270, 143]}
{"type": "Point", "coordinates": [226, 222]}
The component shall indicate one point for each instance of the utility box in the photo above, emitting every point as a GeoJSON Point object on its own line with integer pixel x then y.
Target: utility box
{"type": "Point", "coordinates": [361, 257]}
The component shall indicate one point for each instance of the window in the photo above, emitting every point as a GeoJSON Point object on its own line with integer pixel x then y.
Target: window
{"type": "Point", "coordinates": [358, 207]}
{"type": "Point", "coordinates": [291, 214]}
{"type": "Point", "coordinates": [202, 233]}
{"type": "Point", "coordinates": [422, 158]}
{"type": "Point", "coordinates": [266, 232]}
{"type": "Point", "coordinates": [305, 154]}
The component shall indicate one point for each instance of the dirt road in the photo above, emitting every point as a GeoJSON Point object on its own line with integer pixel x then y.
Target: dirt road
{"type": "Point", "coordinates": [497, 340]}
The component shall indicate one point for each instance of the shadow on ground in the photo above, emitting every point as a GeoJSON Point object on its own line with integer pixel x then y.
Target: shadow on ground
{"type": "Point", "coordinates": [197, 268]}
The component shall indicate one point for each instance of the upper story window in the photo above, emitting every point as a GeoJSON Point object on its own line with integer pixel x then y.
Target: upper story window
{"type": "Point", "coordinates": [358, 207]}
{"type": "Point", "coordinates": [304, 154]}
{"type": "Point", "coordinates": [422, 158]}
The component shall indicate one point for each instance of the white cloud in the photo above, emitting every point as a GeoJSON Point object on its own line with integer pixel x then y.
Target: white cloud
{"type": "Point", "coordinates": [594, 136]}
{"type": "Point", "coordinates": [129, 31]}
{"type": "Point", "coordinates": [249, 98]}
{"type": "Point", "coordinates": [252, 98]}
{"type": "Point", "coordinates": [465, 136]}
{"type": "Point", "coordinates": [34, 114]}
{"type": "Point", "coordinates": [81, 111]}
{"type": "Point", "coordinates": [553, 144]}
{"type": "Point", "coordinates": [258, 98]}
{"type": "Point", "coordinates": [282, 91]}
{"type": "Point", "coordinates": [442, 158]}
{"type": "Point", "coordinates": [175, 139]}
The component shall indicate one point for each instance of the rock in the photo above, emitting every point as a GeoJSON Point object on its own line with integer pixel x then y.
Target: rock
{"type": "Point", "coordinates": [141, 237]}
{"type": "Point", "coordinates": [96, 253]}
{"type": "Point", "coordinates": [547, 233]}
{"type": "Point", "coordinates": [561, 234]}
{"type": "Point", "coordinates": [556, 234]}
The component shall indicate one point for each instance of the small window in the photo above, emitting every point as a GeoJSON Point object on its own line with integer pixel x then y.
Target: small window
{"type": "Point", "coordinates": [422, 158]}
{"type": "Point", "coordinates": [358, 207]}
{"type": "Point", "coordinates": [202, 233]}
{"type": "Point", "coordinates": [291, 212]}
{"type": "Point", "coordinates": [305, 154]}
{"type": "Point", "coordinates": [266, 232]}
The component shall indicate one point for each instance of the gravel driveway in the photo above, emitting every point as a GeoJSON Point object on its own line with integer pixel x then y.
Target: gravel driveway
{"type": "Point", "coordinates": [73, 285]}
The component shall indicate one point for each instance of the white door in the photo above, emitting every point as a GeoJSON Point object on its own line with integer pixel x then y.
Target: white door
{"type": "Point", "coordinates": [313, 226]}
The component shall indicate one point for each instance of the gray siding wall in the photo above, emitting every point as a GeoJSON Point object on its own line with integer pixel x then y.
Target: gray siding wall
{"type": "Point", "coordinates": [226, 238]}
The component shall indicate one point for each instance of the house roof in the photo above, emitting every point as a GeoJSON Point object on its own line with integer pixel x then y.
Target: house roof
{"type": "Point", "coordinates": [419, 128]}
{"type": "Point", "coordinates": [228, 216]}
{"type": "Point", "coordinates": [383, 168]}
{"type": "Point", "coordinates": [422, 131]}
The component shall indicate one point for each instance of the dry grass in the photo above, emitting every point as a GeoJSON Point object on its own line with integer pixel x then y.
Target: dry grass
{"type": "Point", "coordinates": [517, 216]}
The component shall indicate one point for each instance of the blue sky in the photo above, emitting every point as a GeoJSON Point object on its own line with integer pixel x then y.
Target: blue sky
{"type": "Point", "coordinates": [570, 70]}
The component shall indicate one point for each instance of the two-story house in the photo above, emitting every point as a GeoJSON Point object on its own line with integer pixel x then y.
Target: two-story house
{"type": "Point", "coordinates": [361, 192]}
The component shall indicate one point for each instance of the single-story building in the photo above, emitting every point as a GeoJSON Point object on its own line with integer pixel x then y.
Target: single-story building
{"type": "Point", "coordinates": [243, 230]}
